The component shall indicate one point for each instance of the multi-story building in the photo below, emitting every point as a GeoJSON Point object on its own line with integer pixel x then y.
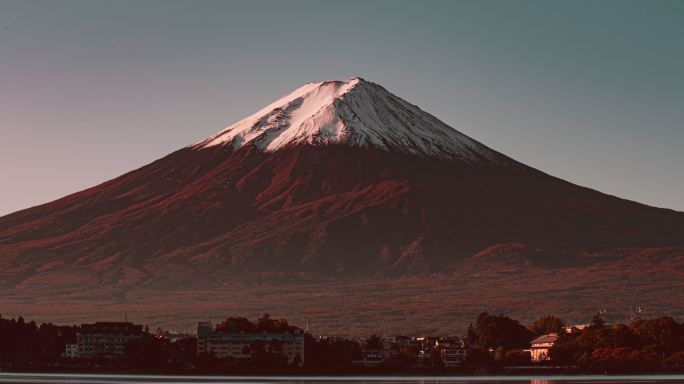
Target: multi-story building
{"type": "Point", "coordinates": [106, 338]}
{"type": "Point", "coordinates": [71, 351]}
{"type": "Point", "coordinates": [227, 344]}
{"type": "Point", "coordinates": [539, 349]}
{"type": "Point", "coordinates": [452, 351]}
{"type": "Point", "coordinates": [373, 357]}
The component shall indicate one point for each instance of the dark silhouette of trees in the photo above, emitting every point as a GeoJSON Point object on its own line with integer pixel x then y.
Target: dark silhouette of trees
{"type": "Point", "coordinates": [622, 359]}
{"type": "Point", "coordinates": [479, 361]}
{"type": "Point", "coordinates": [661, 334]}
{"type": "Point", "coordinates": [263, 324]}
{"type": "Point", "coordinates": [471, 336]}
{"type": "Point", "coordinates": [547, 324]}
{"type": "Point", "coordinates": [643, 346]}
{"type": "Point", "coordinates": [500, 331]}
{"type": "Point", "coordinates": [268, 324]}
{"type": "Point", "coordinates": [579, 346]}
{"type": "Point", "coordinates": [236, 325]}
{"type": "Point", "coordinates": [148, 352]}
{"type": "Point", "coordinates": [25, 344]}
{"type": "Point", "coordinates": [265, 357]}
{"type": "Point", "coordinates": [374, 342]}
{"type": "Point", "coordinates": [597, 322]}
{"type": "Point", "coordinates": [330, 356]}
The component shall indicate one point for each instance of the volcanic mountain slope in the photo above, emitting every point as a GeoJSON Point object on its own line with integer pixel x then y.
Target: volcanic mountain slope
{"type": "Point", "coordinates": [336, 179]}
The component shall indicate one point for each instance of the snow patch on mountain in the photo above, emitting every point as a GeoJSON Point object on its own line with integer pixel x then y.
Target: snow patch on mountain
{"type": "Point", "coordinates": [356, 112]}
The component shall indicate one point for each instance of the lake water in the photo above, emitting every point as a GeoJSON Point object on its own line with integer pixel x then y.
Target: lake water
{"type": "Point", "coordinates": [172, 379]}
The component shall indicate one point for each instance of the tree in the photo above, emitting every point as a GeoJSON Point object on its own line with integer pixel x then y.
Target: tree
{"type": "Point", "coordinates": [235, 325]}
{"type": "Point", "coordinates": [662, 333]}
{"type": "Point", "coordinates": [675, 361]}
{"type": "Point", "coordinates": [268, 324]}
{"type": "Point", "coordinates": [500, 331]}
{"type": "Point", "coordinates": [516, 357]}
{"type": "Point", "coordinates": [578, 347]}
{"type": "Point", "coordinates": [148, 352]}
{"type": "Point", "coordinates": [471, 336]}
{"type": "Point", "coordinates": [547, 324]}
{"type": "Point", "coordinates": [24, 344]}
{"type": "Point", "coordinates": [620, 360]}
{"type": "Point", "coordinates": [597, 321]}
{"type": "Point", "coordinates": [479, 361]}
{"type": "Point", "coordinates": [374, 342]}
{"type": "Point", "coordinates": [326, 356]}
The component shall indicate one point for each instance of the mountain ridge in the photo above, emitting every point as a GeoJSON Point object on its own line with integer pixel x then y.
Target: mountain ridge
{"type": "Point", "coordinates": [204, 218]}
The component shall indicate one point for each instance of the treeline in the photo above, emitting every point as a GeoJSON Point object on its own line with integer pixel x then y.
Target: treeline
{"type": "Point", "coordinates": [265, 323]}
{"type": "Point", "coordinates": [644, 345]}
{"type": "Point", "coordinates": [494, 343]}
{"type": "Point", "coordinates": [647, 345]}
{"type": "Point", "coordinates": [25, 343]}
{"type": "Point", "coordinates": [27, 346]}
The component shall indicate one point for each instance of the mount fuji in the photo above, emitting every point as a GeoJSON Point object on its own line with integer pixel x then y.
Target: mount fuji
{"type": "Point", "coordinates": [338, 188]}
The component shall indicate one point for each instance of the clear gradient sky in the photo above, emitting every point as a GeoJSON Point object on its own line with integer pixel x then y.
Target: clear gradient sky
{"type": "Point", "coordinates": [589, 91]}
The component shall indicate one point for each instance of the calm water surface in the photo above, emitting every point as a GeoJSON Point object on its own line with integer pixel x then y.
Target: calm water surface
{"type": "Point", "coordinates": [158, 379]}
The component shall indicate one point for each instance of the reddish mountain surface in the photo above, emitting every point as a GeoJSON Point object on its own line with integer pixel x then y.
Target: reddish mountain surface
{"type": "Point", "coordinates": [338, 180]}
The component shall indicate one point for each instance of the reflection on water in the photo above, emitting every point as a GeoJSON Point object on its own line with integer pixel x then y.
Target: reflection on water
{"type": "Point", "coordinates": [178, 379]}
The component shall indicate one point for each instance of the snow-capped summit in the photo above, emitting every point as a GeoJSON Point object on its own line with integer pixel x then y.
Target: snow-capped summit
{"type": "Point", "coordinates": [356, 112]}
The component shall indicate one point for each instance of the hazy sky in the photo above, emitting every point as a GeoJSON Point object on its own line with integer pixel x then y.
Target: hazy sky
{"type": "Point", "coordinates": [589, 91]}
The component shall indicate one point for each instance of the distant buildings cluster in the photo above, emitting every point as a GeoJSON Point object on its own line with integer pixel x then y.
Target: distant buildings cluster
{"type": "Point", "coordinates": [103, 339]}
{"type": "Point", "coordinates": [242, 345]}
{"type": "Point", "coordinates": [417, 351]}
{"type": "Point", "coordinates": [109, 340]}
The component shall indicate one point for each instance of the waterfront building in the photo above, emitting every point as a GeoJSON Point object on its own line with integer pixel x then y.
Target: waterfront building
{"type": "Point", "coordinates": [452, 351]}
{"type": "Point", "coordinates": [539, 349]}
{"type": "Point", "coordinates": [374, 356]}
{"type": "Point", "coordinates": [71, 351]}
{"type": "Point", "coordinates": [106, 339]}
{"type": "Point", "coordinates": [229, 344]}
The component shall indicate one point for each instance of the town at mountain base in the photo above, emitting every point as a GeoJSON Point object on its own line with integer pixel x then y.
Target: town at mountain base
{"type": "Point", "coordinates": [334, 197]}
{"type": "Point", "coordinates": [269, 345]}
